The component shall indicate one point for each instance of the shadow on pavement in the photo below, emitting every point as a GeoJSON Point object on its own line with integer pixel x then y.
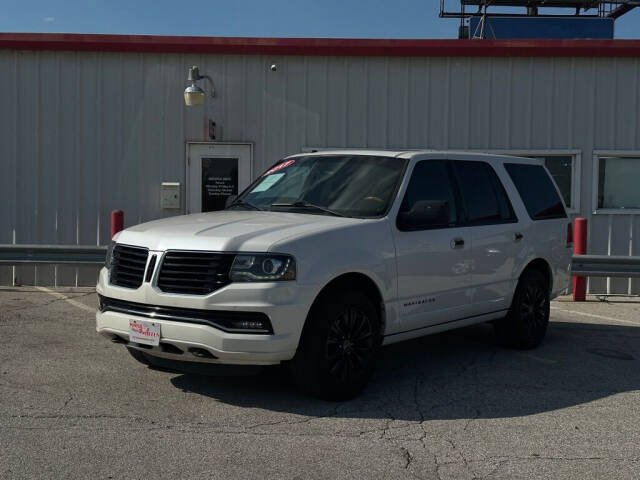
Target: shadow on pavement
{"type": "Point", "coordinates": [460, 374]}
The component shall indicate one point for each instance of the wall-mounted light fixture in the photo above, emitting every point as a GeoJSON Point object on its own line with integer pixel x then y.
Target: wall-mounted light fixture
{"type": "Point", "coordinates": [193, 94]}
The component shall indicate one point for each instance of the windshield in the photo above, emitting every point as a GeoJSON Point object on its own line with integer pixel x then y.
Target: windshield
{"type": "Point", "coordinates": [343, 185]}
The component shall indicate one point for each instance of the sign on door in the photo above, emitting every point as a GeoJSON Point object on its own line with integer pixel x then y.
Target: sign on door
{"type": "Point", "coordinates": [216, 171]}
{"type": "Point", "coordinates": [219, 182]}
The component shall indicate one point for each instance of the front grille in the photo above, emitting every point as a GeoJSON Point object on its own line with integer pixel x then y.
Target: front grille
{"type": "Point", "coordinates": [227, 321]}
{"type": "Point", "coordinates": [127, 268]}
{"type": "Point", "coordinates": [152, 265]}
{"type": "Point", "coordinates": [195, 273]}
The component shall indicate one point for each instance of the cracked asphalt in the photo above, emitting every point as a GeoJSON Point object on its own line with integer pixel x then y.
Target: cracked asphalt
{"type": "Point", "coordinates": [449, 406]}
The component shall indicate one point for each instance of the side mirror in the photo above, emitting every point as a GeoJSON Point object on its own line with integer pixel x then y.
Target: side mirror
{"type": "Point", "coordinates": [230, 199]}
{"type": "Point", "coordinates": [425, 214]}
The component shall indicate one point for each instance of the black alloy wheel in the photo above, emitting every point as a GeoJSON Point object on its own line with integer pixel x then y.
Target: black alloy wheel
{"type": "Point", "coordinates": [339, 345]}
{"type": "Point", "coordinates": [526, 323]}
{"type": "Point", "coordinates": [350, 344]}
{"type": "Point", "coordinates": [534, 306]}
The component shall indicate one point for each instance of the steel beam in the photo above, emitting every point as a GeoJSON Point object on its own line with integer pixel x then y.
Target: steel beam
{"type": "Point", "coordinates": [52, 254]}
{"type": "Point", "coordinates": [605, 266]}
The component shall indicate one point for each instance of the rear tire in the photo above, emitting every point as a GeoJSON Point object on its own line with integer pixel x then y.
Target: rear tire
{"type": "Point", "coordinates": [526, 324]}
{"type": "Point", "coordinates": [339, 346]}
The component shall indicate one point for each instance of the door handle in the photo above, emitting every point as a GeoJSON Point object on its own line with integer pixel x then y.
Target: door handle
{"type": "Point", "coordinates": [517, 236]}
{"type": "Point", "coordinates": [457, 243]}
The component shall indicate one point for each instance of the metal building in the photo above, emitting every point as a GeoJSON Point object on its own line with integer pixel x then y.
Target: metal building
{"type": "Point", "coordinates": [92, 123]}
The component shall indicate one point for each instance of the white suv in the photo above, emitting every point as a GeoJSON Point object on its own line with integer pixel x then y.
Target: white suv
{"type": "Point", "coordinates": [327, 256]}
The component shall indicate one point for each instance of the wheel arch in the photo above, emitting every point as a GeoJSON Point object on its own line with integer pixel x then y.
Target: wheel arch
{"type": "Point", "coordinates": [542, 266]}
{"type": "Point", "coordinates": [354, 281]}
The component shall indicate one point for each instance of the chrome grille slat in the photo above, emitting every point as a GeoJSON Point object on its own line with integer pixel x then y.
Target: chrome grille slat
{"type": "Point", "coordinates": [131, 255]}
{"type": "Point", "coordinates": [190, 272]}
{"type": "Point", "coordinates": [128, 266]}
{"type": "Point", "coordinates": [127, 274]}
{"type": "Point", "coordinates": [133, 263]}
{"type": "Point", "coordinates": [194, 273]}
{"type": "Point", "coordinates": [178, 266]}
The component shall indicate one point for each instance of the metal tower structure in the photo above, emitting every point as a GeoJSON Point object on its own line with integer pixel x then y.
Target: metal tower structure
{"type": "Point", "coordinates": [600, 8]}
{"type": "Point", "coordinates": [486, 9]}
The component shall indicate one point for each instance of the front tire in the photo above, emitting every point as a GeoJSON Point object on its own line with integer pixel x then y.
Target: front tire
{"type": "Point", "coordinates": [526, 324]}
{"type": "Point", "coordinates": [339, 346]}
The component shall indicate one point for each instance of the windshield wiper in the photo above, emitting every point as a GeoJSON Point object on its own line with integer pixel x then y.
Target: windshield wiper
{"type": "Point", "coordinates": [244, 203]}
{"type": "Point", "coordinates": [307, 205]}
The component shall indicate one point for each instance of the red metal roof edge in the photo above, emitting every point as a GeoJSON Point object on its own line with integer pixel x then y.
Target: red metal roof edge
{"type": "Point", "coordinates": [320, 46]}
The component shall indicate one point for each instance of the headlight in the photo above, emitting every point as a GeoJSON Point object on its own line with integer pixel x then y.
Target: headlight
{"type": "Point", "coordinates": [108, 261]}
{"type": "Point", "coordinates": [262, 268]}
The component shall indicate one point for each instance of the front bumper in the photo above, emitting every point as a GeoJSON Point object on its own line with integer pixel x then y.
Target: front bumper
{"type": "Point", "coordinates": [286, 304]}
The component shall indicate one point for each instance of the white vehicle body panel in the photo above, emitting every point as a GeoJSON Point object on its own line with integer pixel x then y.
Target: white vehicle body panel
{"type": "Point", "coordinates": [444, 294]}
{"type": "Point", "coordinates": [425, 285]}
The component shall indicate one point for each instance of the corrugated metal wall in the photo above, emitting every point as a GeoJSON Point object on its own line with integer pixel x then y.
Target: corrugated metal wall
{"type": "Point", "coordinates": [84, 133]}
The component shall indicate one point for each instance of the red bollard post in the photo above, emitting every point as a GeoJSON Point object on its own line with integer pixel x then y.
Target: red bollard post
{"type": "Point", "coordinates": [579, 248]}
{"type": "Point", "coordinates": [117, 221]}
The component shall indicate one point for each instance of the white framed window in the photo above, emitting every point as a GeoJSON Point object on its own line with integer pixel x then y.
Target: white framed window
{"type": "Point", "coordinates": [564, 166]}
{"type": "Point", "coordinates": [616, 182]}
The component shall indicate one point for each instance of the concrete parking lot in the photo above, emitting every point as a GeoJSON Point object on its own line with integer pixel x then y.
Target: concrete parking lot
{"type": "Point", "coordinates": [450, 406]}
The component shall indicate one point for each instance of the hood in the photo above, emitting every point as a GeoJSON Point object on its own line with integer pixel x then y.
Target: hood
{"type": "Point", "coordinates": [229, 230]}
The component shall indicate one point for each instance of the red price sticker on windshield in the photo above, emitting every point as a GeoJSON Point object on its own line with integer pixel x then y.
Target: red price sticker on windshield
{"type": "Point", "coordinates": [280, 166]}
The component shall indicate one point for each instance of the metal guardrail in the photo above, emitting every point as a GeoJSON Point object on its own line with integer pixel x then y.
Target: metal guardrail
{"type": "Point", "coordinates": [605, 266]}
{"type": "Point", "coordinates": [581, 265]}
{"type": "Point", "coordinates": [52, 254]}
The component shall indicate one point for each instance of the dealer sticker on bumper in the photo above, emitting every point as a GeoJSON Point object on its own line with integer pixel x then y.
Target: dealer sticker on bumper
{"type": "Point", "coordinates": [147, 333]}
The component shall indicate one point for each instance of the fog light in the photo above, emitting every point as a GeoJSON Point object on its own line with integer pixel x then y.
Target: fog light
{"type": "Point", "coordinates": [249, 324]}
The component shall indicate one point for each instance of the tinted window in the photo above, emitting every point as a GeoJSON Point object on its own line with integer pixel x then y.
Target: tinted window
{"type": "Point", "coordinates": [429, 201]}
{"type": "Point", "coordinates": [537, 191]}
{"type": "Point", "coordinates": [485, 200]}
{"type": "Point", "coordinates": [561, 167]}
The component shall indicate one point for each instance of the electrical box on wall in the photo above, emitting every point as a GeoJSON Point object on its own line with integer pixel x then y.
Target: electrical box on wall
{"type": "Point", "coordinates": [170, 195]}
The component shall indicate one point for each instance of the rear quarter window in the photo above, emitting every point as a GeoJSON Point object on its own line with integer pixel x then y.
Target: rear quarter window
{"type": "Point", "coordinates": [537, 190]}
{"type": "Point", "coordinates": [486, 202]}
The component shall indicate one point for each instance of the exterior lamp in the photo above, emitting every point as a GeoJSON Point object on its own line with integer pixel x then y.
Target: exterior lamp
{"type": "Point", "coordinates": [193, 94]}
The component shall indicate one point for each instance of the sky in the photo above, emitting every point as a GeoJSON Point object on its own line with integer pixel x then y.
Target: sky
{"type": "Point", "coordinates": [250, 18]}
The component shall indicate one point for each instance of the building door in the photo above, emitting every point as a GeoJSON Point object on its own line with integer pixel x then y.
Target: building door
{"type": "Point", "coordinates": [216, 171]}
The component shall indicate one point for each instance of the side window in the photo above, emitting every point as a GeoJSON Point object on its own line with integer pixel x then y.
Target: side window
{"type": "Point", "coordinates": [429, 201]}
{"type": "Point", "coordinates": [561, 169]}
{"type": "Point", "coordinates": [537, 191]}
{"type": "Point", "coordinates": [485, 199]}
